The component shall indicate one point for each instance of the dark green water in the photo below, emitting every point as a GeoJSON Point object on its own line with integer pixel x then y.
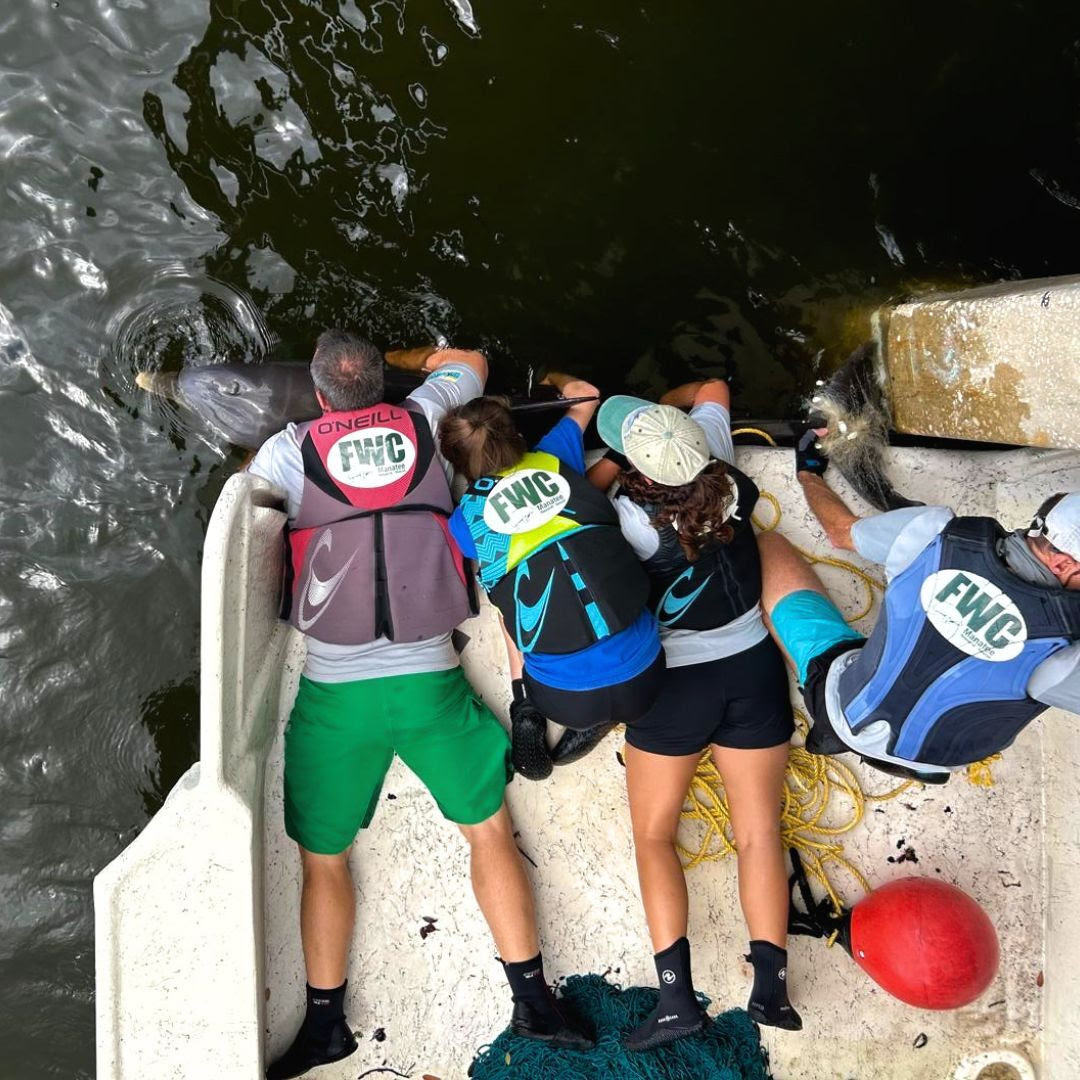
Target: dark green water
{"type": "Point", "coordinates": [642, 193]}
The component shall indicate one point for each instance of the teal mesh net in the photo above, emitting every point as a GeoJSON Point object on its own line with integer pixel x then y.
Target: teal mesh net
{"type": "Point", "coordinates": [729, 1049]}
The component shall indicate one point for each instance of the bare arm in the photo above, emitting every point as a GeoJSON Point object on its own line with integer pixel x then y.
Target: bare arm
{"type": "Point", "coordinates": [698, 393]}
{"type": "Point", "coordinates": [602, 475]}
{"type": "Point", "coordinates": [834, 514]}
{"type": "Point", "coordinates": [569, 386]}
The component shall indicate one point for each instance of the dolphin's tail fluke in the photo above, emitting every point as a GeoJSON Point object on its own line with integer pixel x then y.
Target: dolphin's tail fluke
{"type": "Point", "coordinates": [163, 383]}
{"type": "Point", "coordinates": [850, 405]}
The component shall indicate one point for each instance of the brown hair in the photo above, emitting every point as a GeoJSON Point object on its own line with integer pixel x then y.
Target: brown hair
{"type": "Point", "coordinates": [696, 511]}
{"type": "Point", "coordinates": [479, 437]}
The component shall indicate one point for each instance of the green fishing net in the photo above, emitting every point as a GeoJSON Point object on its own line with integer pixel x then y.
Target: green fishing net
{"type": "Point", "coordinates": [729, 1049]}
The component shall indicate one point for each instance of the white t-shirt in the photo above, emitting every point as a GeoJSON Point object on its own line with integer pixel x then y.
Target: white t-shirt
{"type": "Point", "coordinates": [279, 460]}
{"type": "Point", "coordinates": [685, 647]}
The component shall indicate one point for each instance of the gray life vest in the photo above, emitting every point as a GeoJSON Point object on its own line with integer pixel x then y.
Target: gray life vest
{"type": "Point", "coordinates": [369, 554]}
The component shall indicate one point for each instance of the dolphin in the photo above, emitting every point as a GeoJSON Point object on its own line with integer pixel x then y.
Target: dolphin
{"type": "Point", "coordinates": [245, 404]}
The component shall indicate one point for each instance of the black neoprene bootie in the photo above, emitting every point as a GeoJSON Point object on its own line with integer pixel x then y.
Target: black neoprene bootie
{"type": "Point", "coordinates": [528, 736]}
{"type": "Point", "coordinates": [678, 1013]}
{"type": "Point", "coordinates": [575, 743]}
{"type": "Point", "coordinates": [547, 1024]}
{"type": "Point", "coordinates": [536, 1012]}
{"type": "Point", "coordinates": [769, 1003]}
{"type": "Point", "coordinates": [307, 1052]}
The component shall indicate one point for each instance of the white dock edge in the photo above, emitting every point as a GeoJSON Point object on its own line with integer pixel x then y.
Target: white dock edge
{"type": "Point", "coordinates": [199, 969]}
{"type": "Point", "coordinates": [178, 915]}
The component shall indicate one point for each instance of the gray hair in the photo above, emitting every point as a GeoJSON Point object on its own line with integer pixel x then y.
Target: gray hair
{"type": "Point", "coordinates": [347, 370]}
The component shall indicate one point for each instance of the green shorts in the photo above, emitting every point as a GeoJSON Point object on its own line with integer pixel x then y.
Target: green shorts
{"type": "Point", "coordinates": [342, 737]}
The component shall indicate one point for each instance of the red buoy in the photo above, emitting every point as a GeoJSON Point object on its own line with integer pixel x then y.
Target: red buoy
{"type": "Point", "coordinates": [926, 942]}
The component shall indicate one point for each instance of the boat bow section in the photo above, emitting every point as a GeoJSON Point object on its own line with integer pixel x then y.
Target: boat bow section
{"type": "Point", "coordinates": [178, 915]}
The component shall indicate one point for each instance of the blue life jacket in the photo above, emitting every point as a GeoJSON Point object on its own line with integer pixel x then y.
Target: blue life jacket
{"type": "Point", "coordinates": [958, 638]}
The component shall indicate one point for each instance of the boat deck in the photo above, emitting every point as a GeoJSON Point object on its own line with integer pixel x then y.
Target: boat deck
{"type": "Point", "coordinates": [424, 1000]}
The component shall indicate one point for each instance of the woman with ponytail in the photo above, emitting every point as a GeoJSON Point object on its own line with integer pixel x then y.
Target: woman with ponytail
{"type": "Point", "coordinates": [685, 510]}
{"type": "Point", "coordinates": [582, 644]}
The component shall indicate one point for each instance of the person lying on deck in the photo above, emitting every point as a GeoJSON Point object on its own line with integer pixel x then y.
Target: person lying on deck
{"type": "Point", "coordinates": [979, 630]}
{"type": "Point", "coordinates": [685, 509]}
{"type": "Point", "coordinates": [583, 646]}
{"type": "Point", "coordinates": [377, 587]}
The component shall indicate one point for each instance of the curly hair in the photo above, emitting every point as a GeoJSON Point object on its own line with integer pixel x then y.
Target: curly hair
{"type": "Point", "coordinates": [696, 511]}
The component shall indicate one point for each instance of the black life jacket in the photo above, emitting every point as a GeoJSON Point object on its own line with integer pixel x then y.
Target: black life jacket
{"type": "Point", "coordinates": [370, 554]}
{"type": "Point", "coordinates": [958, 638]}
{"type": "Point", "coordinates": [552, 557]}
{"type": "Point", "coordinates": [723, 583]}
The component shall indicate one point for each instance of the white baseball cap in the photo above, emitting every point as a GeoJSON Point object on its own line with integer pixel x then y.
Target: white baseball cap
{"type": "Point", "coordinates": [1061, 526]}
{"type": "Point", "coordinates": [660, 441]}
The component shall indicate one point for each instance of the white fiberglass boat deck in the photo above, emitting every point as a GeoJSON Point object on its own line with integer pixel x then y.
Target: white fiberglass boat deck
{"type": "Point", "coordinates": [200, 972]}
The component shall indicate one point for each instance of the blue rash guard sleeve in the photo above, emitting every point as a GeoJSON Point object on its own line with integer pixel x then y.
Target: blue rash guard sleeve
{"type": "Point", "coordinates": [460, 532]}
{"type": "Point", "coordinates": [565, 441]}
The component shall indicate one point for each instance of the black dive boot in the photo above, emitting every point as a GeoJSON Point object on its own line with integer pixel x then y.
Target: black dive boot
{"type": "Point", "coordinates": [678, 1013]}
{"type": "Point", "coordinates": [536, 1012]}
{"type": "Point", "coordinates": [528, 736]}
{"type": "Point", "coordinates": [769, 1003]}
{"type": "Point", "coordinates": [575, 743]}
{"type": "Point", "coordinates": [546, 1024]}
{"type": "Point", "coordinates": [307, 1053]}
{"type": "Point", "coordinates": [323, 1037]}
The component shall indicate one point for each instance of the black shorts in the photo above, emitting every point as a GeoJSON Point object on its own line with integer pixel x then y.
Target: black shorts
{"type": "Point", "coordinates": [825, 741]}
{"type": "Point", "coordinates": [741, 701]}
{"type": "Point", "coordinates": [622, 703]}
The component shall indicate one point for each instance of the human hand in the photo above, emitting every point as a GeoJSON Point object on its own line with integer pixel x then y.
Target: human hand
{"type": "Point", "coordinates": [809, 457]}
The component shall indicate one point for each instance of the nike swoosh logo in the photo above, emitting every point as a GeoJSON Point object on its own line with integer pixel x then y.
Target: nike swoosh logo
{"type": "Point", "coordinates": [319, 592]}
{"type": "Point", "coordinates": [530, 617]}
{"type": "Point", "coordinates": [672, 606]}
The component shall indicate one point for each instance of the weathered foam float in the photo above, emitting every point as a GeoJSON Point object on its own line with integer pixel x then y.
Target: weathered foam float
{"type": "Point", "coordinates": [199, 969]}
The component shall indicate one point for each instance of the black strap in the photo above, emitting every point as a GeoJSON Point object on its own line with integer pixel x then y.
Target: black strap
{"type": "Point", "coordinates": [819, 919]}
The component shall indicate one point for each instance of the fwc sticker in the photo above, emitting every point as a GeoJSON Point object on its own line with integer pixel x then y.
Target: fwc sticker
{"type": "Point", "coordinates": [371, 458]}
{"type": "Point", "coordinates": [525, 500]}
{"type": "Point", "coordinates": [973, 614]}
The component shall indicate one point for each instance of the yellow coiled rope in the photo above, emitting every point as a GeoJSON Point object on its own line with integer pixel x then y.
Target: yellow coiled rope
{"type": "Point", "coordinates": [823, 799]}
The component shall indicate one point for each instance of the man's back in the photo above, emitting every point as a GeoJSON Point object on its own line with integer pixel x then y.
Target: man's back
{"type": "Point", "coordinates": [280, 460]}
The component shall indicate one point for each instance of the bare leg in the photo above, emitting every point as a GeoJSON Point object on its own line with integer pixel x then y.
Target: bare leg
{"type": "Point", "coordinates": [501, 887]}
{"type": "Point", "coordinates": [657, 786]}
{"type": "Point", "coordinates": [783, 571]}
{"type": "Point", "coordinates": [327, 914]}
{"type": "Point", "coordinates": [753, 780]}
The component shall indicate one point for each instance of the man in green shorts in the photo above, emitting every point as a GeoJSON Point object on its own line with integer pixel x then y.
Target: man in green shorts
{"type": "Point", "coordinates": [376, 588]}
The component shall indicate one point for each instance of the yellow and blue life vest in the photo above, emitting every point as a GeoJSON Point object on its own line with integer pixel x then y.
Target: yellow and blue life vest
{"type": "Point", "coordinates": [552, 557]}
